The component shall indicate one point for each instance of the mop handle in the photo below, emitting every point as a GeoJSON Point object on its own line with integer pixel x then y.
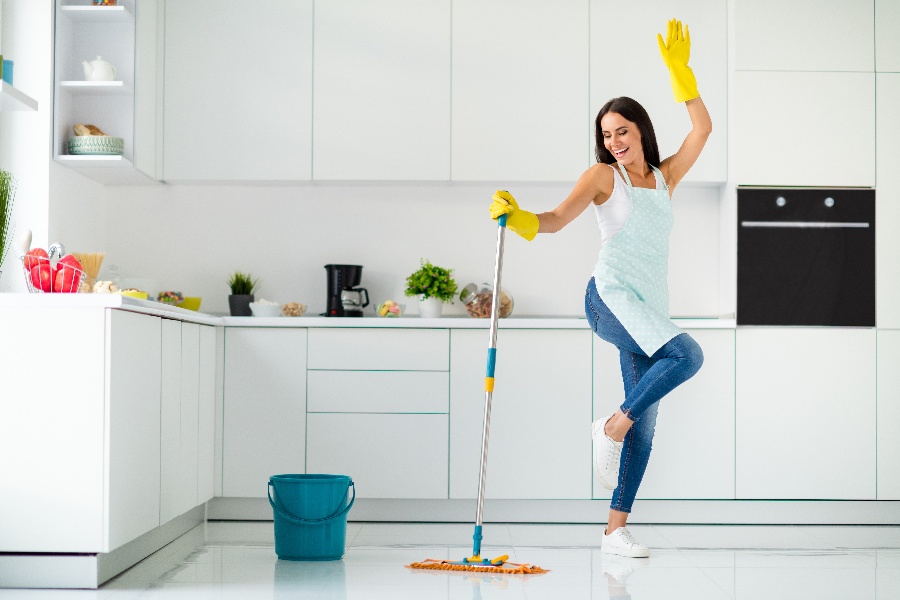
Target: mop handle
{"type": "Point", "coordinates": [489, 383]}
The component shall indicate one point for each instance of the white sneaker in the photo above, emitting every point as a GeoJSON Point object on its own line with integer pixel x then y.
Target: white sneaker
{"type": "Point", "coordinates": [621, 543]}
{"type": "Point", "coordinates": [607, 453]}
{"type": "Point", "coordinates": [618, 568]}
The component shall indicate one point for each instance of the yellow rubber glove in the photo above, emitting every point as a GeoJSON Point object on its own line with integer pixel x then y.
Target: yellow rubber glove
{"type": "Point", "coordinates": [676, 51]}
{"type": "Point", "coordinates": [518, 221]}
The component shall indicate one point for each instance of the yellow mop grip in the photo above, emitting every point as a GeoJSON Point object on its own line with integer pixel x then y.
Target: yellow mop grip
{"type": "Point", "coordinates": [489, 384]}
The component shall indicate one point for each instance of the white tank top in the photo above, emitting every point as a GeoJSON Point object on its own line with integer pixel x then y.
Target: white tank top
{"type": "Point", "coordinates": [614, 213]}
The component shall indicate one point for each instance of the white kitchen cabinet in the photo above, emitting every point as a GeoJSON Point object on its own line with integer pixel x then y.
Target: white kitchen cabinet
{"type": "Point", "coordinates": [790, 129]}
{"type": "Point", "coordinates": [170, 477]}
{"type": "Point", "coordinates": [888, 414]}
{"type": "Point", "coordinates": [387, 455]}
{"type": "Point", "coordinates": [238, 90]}
{"type": "Point", "coordinates": [127, 37]}
{"type": "Point", "coordinates": [264, 430]}
{"type": "Point", "coordinates": [887, 44]}
{"type": "Point", "coordinates": [379, 349]}
{"type": "Point", "coordinates": [519, 103]}
{"type": "Point", "coordinates": [133, 490]}
{"type": "Point", "coordinates": [84, 420]}
{"type": "Point", "coordinates": [693, 447]}
{"type": "Point", "coordinates": [540, 436]}
{"type": "Point", "coordinates": [206, 433]}
{"type": "Point", "coordinates": [804, 35]}
{"type": "Point", "coordinates": [887, 204]}
{"type": "Point", "coordinates": [615, 26]}
{"type": "Point", "coordinates": [806, 413]}
{"type": "Point", "coordinates": [382, 90]}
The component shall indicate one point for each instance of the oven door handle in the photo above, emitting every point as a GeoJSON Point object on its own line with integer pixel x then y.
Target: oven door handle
{"type": "Point", "coordinates": [806, 224]}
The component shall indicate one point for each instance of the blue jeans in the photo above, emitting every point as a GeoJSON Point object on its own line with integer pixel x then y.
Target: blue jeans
{"type": "Point", "coordinates": [646, 379]}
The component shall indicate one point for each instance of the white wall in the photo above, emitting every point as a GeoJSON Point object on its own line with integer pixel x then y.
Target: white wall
{"type": "Point", "coordinates": [191, 238]}
{"type": "Point", "coordinates": [26, 37]}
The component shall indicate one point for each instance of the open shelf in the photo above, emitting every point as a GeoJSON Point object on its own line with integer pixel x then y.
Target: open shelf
{"type": "Point", "coordinates": [98, 14]}
{"type": "Point", "coordinates": [97, 88]}
{"type": "Point", "coordinates": [107, 169]}
{"type": "Point", "coordinates": [13, 99]}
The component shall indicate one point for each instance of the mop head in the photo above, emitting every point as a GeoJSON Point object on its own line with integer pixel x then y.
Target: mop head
{"type": "Point", "coordinates": [482, 567]}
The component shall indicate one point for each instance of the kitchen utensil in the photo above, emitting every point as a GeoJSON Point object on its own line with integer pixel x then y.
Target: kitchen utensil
{"type": "Point", "coordinates": [265, 310]}
{"type": "Point", "coordinates": [98, 70]}
{"type": "Point", "coordinates": [96, 144]}
{"type": "Point", "coordinates": [344, 298]}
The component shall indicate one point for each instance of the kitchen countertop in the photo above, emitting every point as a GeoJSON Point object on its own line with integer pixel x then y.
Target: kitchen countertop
{"type": "Point", "coordinates": [150, 307]}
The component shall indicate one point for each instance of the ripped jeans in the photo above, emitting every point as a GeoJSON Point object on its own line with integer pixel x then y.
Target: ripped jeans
{"type": "Point", "coordinates": [646, 379]}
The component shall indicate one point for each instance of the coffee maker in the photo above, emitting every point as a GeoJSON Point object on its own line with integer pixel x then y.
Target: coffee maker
{"type": "Point", "coordinates": [344, 298]}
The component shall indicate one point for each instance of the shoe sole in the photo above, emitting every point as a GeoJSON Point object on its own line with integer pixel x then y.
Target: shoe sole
{"type": "Point", "coordinates": [626, 552]}
{"type": "Point", "coordinates": [597, 426]}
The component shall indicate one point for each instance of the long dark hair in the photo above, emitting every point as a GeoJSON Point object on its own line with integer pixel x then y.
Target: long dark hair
{"type": "Point", "coordinates": [634, 112]}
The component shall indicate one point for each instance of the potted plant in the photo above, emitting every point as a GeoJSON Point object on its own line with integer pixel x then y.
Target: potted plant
{"type": "Point", "coordinates": [433, 285]}
{"type": "Point", "coordinates": [242, 286]}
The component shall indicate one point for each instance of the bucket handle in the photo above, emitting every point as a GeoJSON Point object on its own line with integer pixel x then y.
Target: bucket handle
{"type": "Point", "coordinates": [299, 521]}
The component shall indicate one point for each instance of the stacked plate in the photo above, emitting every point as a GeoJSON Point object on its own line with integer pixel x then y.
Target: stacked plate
{"type": "Point", "coordinates": [96, 144]}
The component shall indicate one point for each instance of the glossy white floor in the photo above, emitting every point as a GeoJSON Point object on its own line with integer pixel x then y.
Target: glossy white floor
{"type": "Point", "coordinates": [237, 561]}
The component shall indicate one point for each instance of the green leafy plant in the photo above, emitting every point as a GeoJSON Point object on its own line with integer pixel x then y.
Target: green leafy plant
{"type": "Point", "coordinates": [431, 281]}
{"type": "Point", "coordinates": [242, 284]}
{"type": "Point", "coordinates": [7, 197]}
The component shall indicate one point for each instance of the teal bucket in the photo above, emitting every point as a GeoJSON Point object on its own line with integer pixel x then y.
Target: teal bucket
{"type": "Point", "coordinates": [310, 515]}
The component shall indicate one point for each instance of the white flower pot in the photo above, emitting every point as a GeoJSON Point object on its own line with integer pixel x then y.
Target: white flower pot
{"type": "Point", "coordinates": [430, 308]}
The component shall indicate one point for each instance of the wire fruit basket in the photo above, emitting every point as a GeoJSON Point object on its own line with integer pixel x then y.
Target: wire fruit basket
{"type": "Point", "coordinates": [50, 274]}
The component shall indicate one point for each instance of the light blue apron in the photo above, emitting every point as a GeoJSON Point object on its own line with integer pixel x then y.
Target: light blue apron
{"type": "Point", "coordinates": [632, 270]}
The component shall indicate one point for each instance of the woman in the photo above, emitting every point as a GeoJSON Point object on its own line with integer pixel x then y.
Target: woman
{"type": "Point", "coordinates": [627, 298]}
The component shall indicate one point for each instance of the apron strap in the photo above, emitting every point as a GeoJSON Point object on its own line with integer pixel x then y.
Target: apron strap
{"type": "Point", "coordinates": [625, 175]}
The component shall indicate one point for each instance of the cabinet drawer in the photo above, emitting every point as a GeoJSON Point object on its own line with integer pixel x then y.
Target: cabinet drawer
{"type": "Point", "coordinates": [379, 349]}
{"type": "Point", "coordinates": [378, 391]}
{"type": "Point", "coordinates": [388, 456]}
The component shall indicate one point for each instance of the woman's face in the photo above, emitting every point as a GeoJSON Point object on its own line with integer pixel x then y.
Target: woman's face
{"type": "Point", "coordinates": [621, 138]}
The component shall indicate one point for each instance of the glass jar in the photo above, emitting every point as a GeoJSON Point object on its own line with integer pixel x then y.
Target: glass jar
{"type": "Point", "coordinates": [477, 299]}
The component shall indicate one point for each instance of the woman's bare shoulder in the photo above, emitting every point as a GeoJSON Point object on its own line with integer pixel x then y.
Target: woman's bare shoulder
{"type": "Point", "coordinates": [602, 181]}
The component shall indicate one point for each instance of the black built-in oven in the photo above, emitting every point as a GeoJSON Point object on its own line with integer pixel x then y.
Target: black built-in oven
{"type": "Point", "coordinates": [806, 257]}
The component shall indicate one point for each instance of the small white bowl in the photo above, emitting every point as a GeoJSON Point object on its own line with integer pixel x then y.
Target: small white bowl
{"type": "Point", "coordinates": [265, 310]}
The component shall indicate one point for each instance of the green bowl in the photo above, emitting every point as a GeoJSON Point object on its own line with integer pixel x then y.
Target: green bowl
{"type": "Point", "coordinates": [96, 144]}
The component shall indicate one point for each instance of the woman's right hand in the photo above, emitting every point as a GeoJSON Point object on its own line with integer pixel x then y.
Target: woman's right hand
{"type": "Point", "coordinates": [518, 221]}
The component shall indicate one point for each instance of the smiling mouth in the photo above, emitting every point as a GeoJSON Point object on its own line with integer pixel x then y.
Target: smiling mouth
{"type": "Point", "coordinates": [620, 153]}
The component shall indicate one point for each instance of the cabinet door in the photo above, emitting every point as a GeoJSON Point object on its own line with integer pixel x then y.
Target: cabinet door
{"type": "Point", "coordinates": [693, 448]}
{"type": "Point", "coordinates": [646, 78]}
{"type": "Point", "coordinates": [519, 104]}
{"type": "Point", "coordinates": [148, 86]}
{"type": "Point", "coordinates": [170, 419]}
{"type": "Point", "coordinates": [238, 90]}
{"type": "Point", "coordinates": [540, 434]}
{"type": "Point", "coordinates": [264, 431]}
{"type": "Point", "coordinates": [887, 44]}
{"type": "Point", "coordinates": [804, 35]}
{"type": "Point", "coordinates": [133, 420]}
{"type": "Point", "coordinates": [382, 90]}
{"type": "Point", "coordinates": [805, 413]}
{"type": "Point", "coordinates": [387, 455]}
{"type": "Point", "coordinates": [887, 204]}
{"type": "Point", "coordinates": [207, 415]}
{"type": "Point", "coordinates": [888, 415]}
{"type": "Point", "coordinates": [188, 453]}
{"type": "Point", "coordinates": [787, 131]}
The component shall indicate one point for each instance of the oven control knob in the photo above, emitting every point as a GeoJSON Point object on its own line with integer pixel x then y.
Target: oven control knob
{"type": "Point", "coordinates": [829, 202]}
{"type": "Point", "coordinates": [780, 201]}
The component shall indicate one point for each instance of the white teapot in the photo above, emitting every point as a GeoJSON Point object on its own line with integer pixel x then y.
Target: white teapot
{"type": "Point", "coordinates": [99, 70]}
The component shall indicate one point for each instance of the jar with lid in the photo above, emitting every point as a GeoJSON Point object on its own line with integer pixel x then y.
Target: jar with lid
{"type": "Point", "coordinates": [477, 299]}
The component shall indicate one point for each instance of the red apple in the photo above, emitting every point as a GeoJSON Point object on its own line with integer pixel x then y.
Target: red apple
{"type": "Point", "coordinates": [42, 277]}
{"type": "Point", "coordinates": [33, 257]}
{"type": "Point", "coordinates": [67, 281]}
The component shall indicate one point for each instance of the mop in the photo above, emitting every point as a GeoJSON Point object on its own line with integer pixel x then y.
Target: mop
{"type": "Point", "coordinates": [476, 562]}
